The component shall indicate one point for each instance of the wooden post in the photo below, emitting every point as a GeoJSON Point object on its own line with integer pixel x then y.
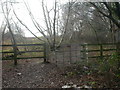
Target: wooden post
{"type": "Point", "coordinates": [70, 55]}
{"type": "Point", "coordinates": [76, 54]}
{"type": "Point", "coordinates": [63, 56]}
{"type": "Point", "coordinates": [44, 52]}
{"type": "Point", "coordinates": [118, 48]}
{"type": "Point", "coordinates": [84, 52]}
{"type": "Point", "coordinates": [101, 51]}
{"type": "Point", "coordinates": [55, 55]}
{"type": "Point", "coordinates": [118, 53]}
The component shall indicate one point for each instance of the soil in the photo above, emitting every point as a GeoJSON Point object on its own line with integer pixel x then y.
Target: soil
{"type": "Point", "coordinates": [32, 74]}
{"type": "Point", "coordinates": [36, 74]}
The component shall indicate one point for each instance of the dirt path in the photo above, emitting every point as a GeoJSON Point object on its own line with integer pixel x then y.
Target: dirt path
{"type": "Point", "coordinates": [35, 74]}
{"type": "Point", "coordinates": [32, 74]}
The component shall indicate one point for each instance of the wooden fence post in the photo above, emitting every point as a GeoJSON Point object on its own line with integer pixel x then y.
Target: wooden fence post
{"type": "Point", "coordinates": [70, 54]}
{"type": "Point", "coordinates": [76, 54]}
{"type": "Point", "coordinates": [84, 51]}
{"type": "Point", "coordinates": [44, 52]}
{"type": "Point", "coordinates": [63, 56]}
{"type": "Point", "coordinates": [118, 48]}
{"type": "Point", "coordinates": [101, 51]}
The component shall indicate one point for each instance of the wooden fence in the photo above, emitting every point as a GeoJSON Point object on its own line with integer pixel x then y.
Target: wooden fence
{"type": "Point", "coordinates": [66, 53]}
{"type": "Point", "coordinates": [15, 57]}
{"type": "Point", "coordinates": [99, 50]}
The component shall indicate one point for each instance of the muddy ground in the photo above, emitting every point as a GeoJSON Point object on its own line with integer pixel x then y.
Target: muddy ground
{"type": "Point", "coordinates": [36, 74]}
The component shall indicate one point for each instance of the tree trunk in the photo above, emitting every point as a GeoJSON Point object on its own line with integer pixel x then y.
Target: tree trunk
{"type": "Point", "coordinates": [16, 50]}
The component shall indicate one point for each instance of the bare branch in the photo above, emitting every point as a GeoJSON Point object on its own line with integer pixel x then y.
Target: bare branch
{"type": "Point", "coordinates": [26, 26]}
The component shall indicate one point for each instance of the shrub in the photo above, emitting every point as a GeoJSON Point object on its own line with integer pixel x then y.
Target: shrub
{"type": "Point", "coordinates": [110, 64]}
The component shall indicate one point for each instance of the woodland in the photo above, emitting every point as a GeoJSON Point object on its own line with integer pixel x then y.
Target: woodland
{"type": "Point", "coordinates": [76, 44]}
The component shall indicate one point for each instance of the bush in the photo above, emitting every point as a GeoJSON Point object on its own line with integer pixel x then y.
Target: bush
{"type": "Point", "coordinates": [110, 64]}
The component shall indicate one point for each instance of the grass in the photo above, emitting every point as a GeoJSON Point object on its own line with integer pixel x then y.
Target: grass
{"type": "Point", "coordinates": [97, 47]}
{"type": "Point", "coordinates": [30, 54]}
{"type": "Point", "coordinates": [25, 48]}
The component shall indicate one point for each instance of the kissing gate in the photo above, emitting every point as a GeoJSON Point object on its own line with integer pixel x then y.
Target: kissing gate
{"type": "Point", "coordinates": [69, 54]}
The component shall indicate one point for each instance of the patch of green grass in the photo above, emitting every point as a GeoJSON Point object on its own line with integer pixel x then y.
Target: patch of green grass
{"type": "Point", "coordinates": [92, 82]}
{"type": "Point", "coordinates": [32, 54]}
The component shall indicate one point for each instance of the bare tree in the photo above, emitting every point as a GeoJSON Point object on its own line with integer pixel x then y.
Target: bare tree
{"type": "Point", "coordinates": [110, 10]}
{"type": "Point", "coordinates": [53, 31]}
{"type": "Point", "coordinates": [6, 13]}
{"type": "Point", "coordinates": [84, 18]}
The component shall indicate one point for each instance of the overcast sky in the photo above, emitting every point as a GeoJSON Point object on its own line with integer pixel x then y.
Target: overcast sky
{"type": "Point", "coordinates": [36, 9]}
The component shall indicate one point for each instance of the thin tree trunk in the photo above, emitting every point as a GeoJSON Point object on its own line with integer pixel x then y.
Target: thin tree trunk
{"type": "Point", "coordinates": [54, 27]}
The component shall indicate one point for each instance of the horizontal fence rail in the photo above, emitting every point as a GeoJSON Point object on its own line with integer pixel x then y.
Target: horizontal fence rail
{"type": "Point", "coordinates": [66, 53]}
{"type": "Point", "coordinates": [99, 44]}
{"type": "Point", "coordinates": [23, 51]}
{"type": "Point", "coordinates": [85, 50]}
{"type": "Point", "coordinates": [24, 45]}
{"type": "Point", "coordinates": [14, 55]}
